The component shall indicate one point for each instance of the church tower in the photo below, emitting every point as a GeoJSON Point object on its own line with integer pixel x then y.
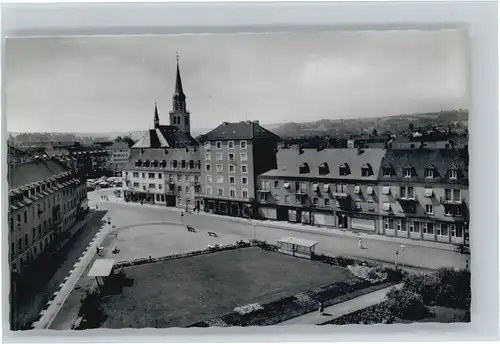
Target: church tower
{"type": "Point", "coordinates": [179, 116]}
{"type": "Point", "coordinates": [156, 119]}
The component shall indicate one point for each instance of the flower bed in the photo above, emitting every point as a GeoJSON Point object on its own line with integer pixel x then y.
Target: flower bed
{"type": "Point", "coordinates": [293, 306]}
{"type": "Point", "coordinates": [368, 273]}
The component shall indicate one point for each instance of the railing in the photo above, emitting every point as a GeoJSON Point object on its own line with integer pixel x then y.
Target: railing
{"type": "Point", "coordinates": [443, 200]}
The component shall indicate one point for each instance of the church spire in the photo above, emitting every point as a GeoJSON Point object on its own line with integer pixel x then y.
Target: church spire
{"type": "Point", "coordinates": [179, 93]}
{"type": "Point", "coordinates": [156, 117]}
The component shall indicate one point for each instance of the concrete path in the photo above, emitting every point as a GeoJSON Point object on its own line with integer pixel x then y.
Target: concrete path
{"type": "Point", "coordinates": [340, 309]}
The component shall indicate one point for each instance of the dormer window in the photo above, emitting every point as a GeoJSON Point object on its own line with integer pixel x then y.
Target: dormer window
{"type": "Point", "coordinates": [183, 163]}
{"type": "Point", "coordinates": [191, 164]}
{"type": "Point", "coordinates": [429, 173]}
{"type": "Point", "coordinates": [304, 168]}
{"type": "Point", "coordinates": [174, 163]}
{"type": "Point", "coordinates": [163, 163]}
{"type": "Point", "coordinates": [344, 170]}
{"type": "Point", "coordinates": [407, 171]}
{"type": "Point", "coordinates": [366, 170]}
{"type": "Point", "coordinates": [323, 169]}
{"type": "Point", "coordinates": [387, 171]}
{"type": "Point", "coordinates": [453, 174]}
{"type": "Point", "coordinates": [155, 163]}
{"type": "Point", "coordinates": [147, 163]}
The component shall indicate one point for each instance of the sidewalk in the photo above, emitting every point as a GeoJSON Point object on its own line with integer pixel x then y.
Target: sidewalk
{"type": "Point", "coordinates": [48, 315]}
{"type": "Point", "coordinates": [340, 309]}
{"type": "Point", "coordinates": [297, 227]}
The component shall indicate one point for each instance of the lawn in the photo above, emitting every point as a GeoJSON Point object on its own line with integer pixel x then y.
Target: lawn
{"type": "Point", "coordinates": [180, 292]}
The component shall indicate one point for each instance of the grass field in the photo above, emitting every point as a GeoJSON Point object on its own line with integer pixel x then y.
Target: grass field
{"type": "Point", "coordinates": [178, 293]}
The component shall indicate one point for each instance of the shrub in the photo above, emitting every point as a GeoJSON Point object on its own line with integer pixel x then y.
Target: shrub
{"type": "Point", "coordinates": [406, 304]}
{"type": "Point", "coordinates": [454, 288]}
{"type": "Point", "coordinates": [394, 275]}
{"type": "Point", "coordinates": [423, 284]}
{"type": "Point", "coordinates": [370, 274]}
{"type": "Point", "coordinates": [343, 261]}
{"type": "Point", "coordinates": [91, 309]}
{"type": "Point", "coordinates": [253, 307]}
{"type": "Point", "coordinates": [377, 314]}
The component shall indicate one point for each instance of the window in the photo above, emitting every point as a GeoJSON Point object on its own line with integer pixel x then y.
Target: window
{"type": "Point", "coordinates": [136, 175]}
{"type": "Point", "coordinates": [315, 200]}
{"type": "Point", "coordinates": [344, 170]}
{"type": "Point", "coordinates": [453, 195]}
{"type": "Point", "coordinates": [276, 198]}
{"type": "Point", "coordinates": [159, 175]}
{"type": "Point", "coordinates": [220, 168]}
{"type": "Point", "coordinates": [244, 180]}
{"type": "Point", "coordinates": [429, 209]}
{"type": "Point", "coordinates": [208, 167]}
{"type": "Point", "coordinates": [151, 175]}
{"type": "Point", "coordinates": [231, 168]}
{"type": "Point", "coordinates": [389, 223]}
{"type": "Point", "coordinates": [160, 186]}
{"type": "Point", "coordinates": [287, 198]}
{"type": "Point", "coordinates": [230, 157]}
{"type": "Point", "coordinates": [25, 216]}
{"type": "Point", "coordinates": [276, 184]}
{"type": "Point", "coordinates": [20, 244]}
{"type": "Point", "coordinates": [209, 179]}
{"type": "Point", "coordinates": [179, 188]}
{"type": "Point", "coordinates": [232, 193]}
{"type": "Point", "coordinates": [218, 156]}
{"type": "Point", "coordinates": [220, 192]}
{"type": "Point", "coordinates": [244, 169]}
{"type": "Point", "coordinates": [220, 179]}
{"type": "Point", "coordinates": [179, 177]}
{"type": "Point", "coordinates": [243, 144]}
{"type": "Point", "coordinates": [429, 173]}
{"type": "Point", "coordinates": [207, 145]}
{"type": "Point", "coordinates": [218, 144]}
{"type": "Point", "coordinates": [136, 184]}
{"type": "Point", "coordinates": [452, 174]}
{"type": "Point", "coordinates": [406, 192]}
{"type": "Point", "coordinates": [143, 175]}
{"type": "Point", "coordinates": [188, 189]}
{"type": "Point", "coordinates": [230, 144]}
{"type": "Point", "coordinates": [243, 156]}
{"type": "Point", "coordinates": [244, 193]}
{"type": "Point", "coordinates": [231, 180]}
{"type": "Point", "coordinates": [209, 190]}
{"type": "Point", "coordinates": [34, 234]}
{"type": "Point", "coordinates": [208, 156]}
{"type": "Point", "coordinates": [456, 230]}
{"type": "Point", "coordinates": [458, 212]}
{"type": "Point", "coordinates": [407, 172]}
{"type": "Point", "coordinates": [327, 201]}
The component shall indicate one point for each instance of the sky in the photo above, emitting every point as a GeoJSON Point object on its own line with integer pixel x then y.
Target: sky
{"type": "Point", "coordinates": [110, 83]}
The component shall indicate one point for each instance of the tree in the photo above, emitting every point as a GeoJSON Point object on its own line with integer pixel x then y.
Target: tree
{"type": "Point", "coordinates": [128, 140]}
{"type": "Point", "coordinates": [411, 126]}
{"type": "Point", "coordinates": [374, 132]}
{"type": "Point", "coordinates": [119, 139]}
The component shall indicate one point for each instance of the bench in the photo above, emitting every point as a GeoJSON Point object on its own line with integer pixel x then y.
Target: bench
{"type": "Point", "coordinates": [212, 234]}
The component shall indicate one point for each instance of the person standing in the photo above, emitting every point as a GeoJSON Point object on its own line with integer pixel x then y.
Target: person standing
{"type": "Point", "coordinates": [360, 243]}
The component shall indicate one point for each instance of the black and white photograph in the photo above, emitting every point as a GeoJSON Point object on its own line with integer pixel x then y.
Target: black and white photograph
{"type": "Point", "coordinates": [236, 180]}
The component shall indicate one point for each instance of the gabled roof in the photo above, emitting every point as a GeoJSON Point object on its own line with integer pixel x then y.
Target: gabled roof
{"type": "Point", "coordinates": [420, 159]}
{"type": "Point", "coordinates": [238, 131]}
{"type": "Point", "coordinates": [166, 136]}
{"type": "Point", "coordinates": [289, 160]}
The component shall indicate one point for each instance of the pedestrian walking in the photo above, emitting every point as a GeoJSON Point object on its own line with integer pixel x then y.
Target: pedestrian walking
{"type": "Point", "coordinates": [321, 309]}
{"type": "Point", "coordinates": [360, 243]}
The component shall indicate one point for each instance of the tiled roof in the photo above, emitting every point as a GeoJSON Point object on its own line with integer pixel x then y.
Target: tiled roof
{"type": "Point", "coordinates": [33, 171]}
{"type": "Point", "coordinates": [289, 161]}
{"type": "Point", "coordinates": [165, 136]}
{"type": "Point", "coordinates": [118, 145]}
{"type": "Point", "coordinates": [420, 159]}
{"type": "Point", "coordinates": [179, 154]}
{"type": "Point", "coordinates": [238, 131]}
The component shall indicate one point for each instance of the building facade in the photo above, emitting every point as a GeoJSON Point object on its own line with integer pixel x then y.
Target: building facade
{"type": "Point", "coordinates": [424, 194]}
{"type": "Point", "coordinates": [45, 200]}
{"type": "Point", "coordinates": [331, 187]}
{"type": "Point", "coordinates": [164, 166]}
{"type": "Point", "coordinates": [233, 155]}
{"type": "Point", "coordinates": [118, 157]}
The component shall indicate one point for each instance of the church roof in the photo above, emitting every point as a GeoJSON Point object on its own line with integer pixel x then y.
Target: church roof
{"type": "Point", "coordinates": [166, 136]}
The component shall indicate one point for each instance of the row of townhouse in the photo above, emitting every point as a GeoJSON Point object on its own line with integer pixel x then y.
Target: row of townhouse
{"type": "Point", "coordinates": [45, 200]}
{"type": "Point", "coordinates": [416, 193]}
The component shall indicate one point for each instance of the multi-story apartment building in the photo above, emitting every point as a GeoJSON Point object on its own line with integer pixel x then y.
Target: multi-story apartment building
{"type": "Point", "coordinates": [424, 195]}
{"type": "Point", "coordinates": [45, 199]}
{"type": "Point", "coordinates": [164, 166]}
{"type": "Point", "coordinates": [429, 142]}
{"type": "Point", "coordinates": [118, 157]}
{"type": "Point", "coordinates": [90, 161]}
{"type": "Point", "coordinates": [329, 187]}
{"type": "Point", "coordinates": [233, 155]}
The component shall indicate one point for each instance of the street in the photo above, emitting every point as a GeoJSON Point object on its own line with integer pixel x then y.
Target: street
{"type": "Point", "coordinates": [126, 215]}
